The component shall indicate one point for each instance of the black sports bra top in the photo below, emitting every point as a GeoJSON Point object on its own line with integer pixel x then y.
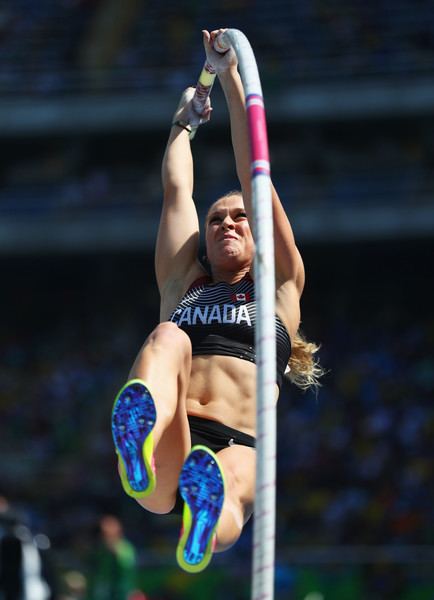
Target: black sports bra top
{"type": "Point", "coordinates": [219, 318]}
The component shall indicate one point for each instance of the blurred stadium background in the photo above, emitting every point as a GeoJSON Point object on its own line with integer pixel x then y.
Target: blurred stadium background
{"type": "Point", "coordinates": [87, 91]}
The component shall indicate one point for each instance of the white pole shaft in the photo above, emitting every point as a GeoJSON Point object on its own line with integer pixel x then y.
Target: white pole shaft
{"type": "Point", "coordinates": [265, 337]}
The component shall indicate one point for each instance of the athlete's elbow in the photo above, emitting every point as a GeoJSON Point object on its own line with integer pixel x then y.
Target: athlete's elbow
{"type": "Point", "coordinates": [174, 180]}
{"type": "Point", "coordinates": [176, 188]}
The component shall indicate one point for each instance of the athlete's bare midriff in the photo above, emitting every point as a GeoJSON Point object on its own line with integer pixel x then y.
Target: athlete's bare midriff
{"type": "Point", "coordinates": [223, 388]}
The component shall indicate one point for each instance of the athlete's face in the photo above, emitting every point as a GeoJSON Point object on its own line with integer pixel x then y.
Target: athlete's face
{"type": "Point", "coordinates": [229, 240]}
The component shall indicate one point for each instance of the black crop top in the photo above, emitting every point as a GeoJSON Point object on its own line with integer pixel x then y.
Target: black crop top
{"type": "Point", "coordinates": [219, 318]}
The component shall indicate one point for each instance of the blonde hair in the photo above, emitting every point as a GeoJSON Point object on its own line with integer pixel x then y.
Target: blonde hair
{"type": "Point", "coordinates": [305, 371]}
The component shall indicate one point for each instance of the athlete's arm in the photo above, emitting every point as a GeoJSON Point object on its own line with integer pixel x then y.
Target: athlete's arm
{"type": "Point", "coordinates": [288, 262]}
{"type": "Point", "coordinates": [178, 234]}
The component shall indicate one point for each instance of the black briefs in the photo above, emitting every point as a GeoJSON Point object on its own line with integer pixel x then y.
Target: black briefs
{"type": "Point", "coordinates": [215, 436]}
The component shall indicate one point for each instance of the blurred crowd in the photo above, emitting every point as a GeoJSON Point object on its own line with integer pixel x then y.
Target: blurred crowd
{"type": "Point", "coordinates": [50, 47]}
{"type": "Point", "coordinates": [354, 462]}
{"type": "Point", "coordinates": [323, 165]}
{"type": "Point", "coordinates": [356, 466]}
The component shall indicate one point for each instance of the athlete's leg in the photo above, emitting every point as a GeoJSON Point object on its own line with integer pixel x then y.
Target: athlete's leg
{"type": "Point", "coordinates": [239, 468]}
{"type": "Point", "coordinates": [218, 492]}
{"type": "Point", "coordinates": [164, 364]}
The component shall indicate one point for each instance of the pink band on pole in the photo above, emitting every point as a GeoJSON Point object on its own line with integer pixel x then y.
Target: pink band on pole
{"type": "Point", "coordinates": [258, 135]}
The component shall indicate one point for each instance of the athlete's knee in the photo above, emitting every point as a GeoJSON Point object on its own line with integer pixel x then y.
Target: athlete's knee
{"type": "Point", "coordinates": [172, 337]}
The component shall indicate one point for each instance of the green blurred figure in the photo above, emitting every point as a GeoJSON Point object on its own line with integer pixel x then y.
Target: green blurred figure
{"type": "Point", "coordinates": [113, 569]}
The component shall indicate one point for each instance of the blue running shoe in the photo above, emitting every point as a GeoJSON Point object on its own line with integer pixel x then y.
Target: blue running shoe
{"type": "Point", "coordinates": [202, 488]}
{"type": "Point", "coordinates": [133, 418]}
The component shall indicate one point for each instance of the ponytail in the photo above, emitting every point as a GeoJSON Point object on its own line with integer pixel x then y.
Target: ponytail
{"type": "Point", "coordinates": [304, 370]}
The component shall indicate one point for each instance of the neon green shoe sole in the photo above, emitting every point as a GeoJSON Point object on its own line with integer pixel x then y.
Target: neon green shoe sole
{"type": "Point", "coordinates": [202, 487]}
{"type": "Point", "coordinates": [133, 418]}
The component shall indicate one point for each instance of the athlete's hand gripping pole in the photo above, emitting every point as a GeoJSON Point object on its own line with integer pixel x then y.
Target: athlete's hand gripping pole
{"type": "Point", "coordinates": [202, 93]}
{"type": "Point", "coordinates": [206, 81]}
